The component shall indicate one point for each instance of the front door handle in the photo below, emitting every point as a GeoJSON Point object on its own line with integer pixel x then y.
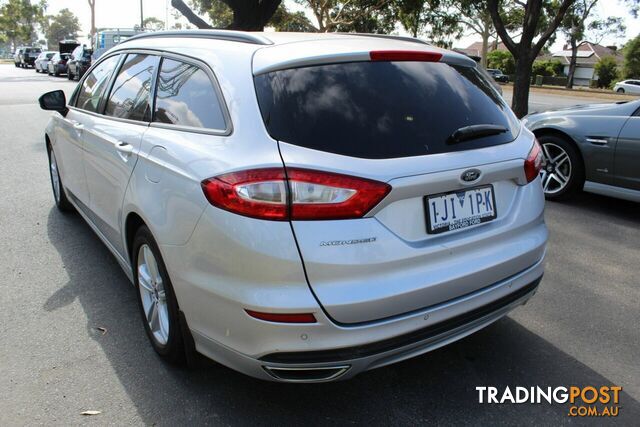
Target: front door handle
{"type": "Point", "coordinates": [597, 141]}
{"type": "Point", "coordinates": [77, 125]}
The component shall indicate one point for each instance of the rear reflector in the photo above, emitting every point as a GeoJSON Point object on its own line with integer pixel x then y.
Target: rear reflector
{"type": "Point", "coordinates": [404, 55]}
{"type": "Point", "coordinates": [533, 163]}
{"type": "Point", "coordinates": [283, 317]}
{"type": "Point", "coordinates": [302, 195]}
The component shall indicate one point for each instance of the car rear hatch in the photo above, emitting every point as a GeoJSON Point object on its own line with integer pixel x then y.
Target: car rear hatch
{"type": "Point", "coordinates": [456, 218]}
{"type": "Point", "coordinates": [67, 46]}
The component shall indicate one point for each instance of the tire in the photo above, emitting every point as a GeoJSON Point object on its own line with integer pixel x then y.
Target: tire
{"type": "Point", "coordinates": [59, 196]}
{"type": "Point", "coordinates": [562, 172]}
{"type": "Point", "coordinates": [156, 299]}
{"type": "Point", "coordinates": [69, 75]}
{"type": "Point", "coordinates": [620, 90]}
{"type": "Point", "coordinates": [16, 64]}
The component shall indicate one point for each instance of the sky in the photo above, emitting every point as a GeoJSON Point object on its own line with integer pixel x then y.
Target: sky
{"type": "Point", "coordinates": [126, 14]}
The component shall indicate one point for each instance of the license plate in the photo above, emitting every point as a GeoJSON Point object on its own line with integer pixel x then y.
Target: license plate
{"type": "Point", "coordinates": [459, 209]}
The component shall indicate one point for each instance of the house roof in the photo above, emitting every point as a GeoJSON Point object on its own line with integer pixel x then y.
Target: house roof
{"type": "Point", "coordinates": [588, 54]}
{"type": "Point", "coordinates": [475, 48]}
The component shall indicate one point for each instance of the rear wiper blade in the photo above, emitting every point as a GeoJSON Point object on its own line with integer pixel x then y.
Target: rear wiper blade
{"type": "Point", "coordinates": [475, 131]}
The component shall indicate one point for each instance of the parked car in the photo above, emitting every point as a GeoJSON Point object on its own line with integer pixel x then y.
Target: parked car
{"type": "Point", "coordinates": [58, 64]}
{"type": "Point", "coordinates": [28, 56]}
{"type": "Point", "coordinates": [17, 56]}
{"type": "Point", "coordinates": [282, 214]}
{"type": "Point", "coordinates": [498, 76]}
{"type": "Point", "coordinates": [628, 86]}
{"type": "Point", "coordinates": [42, 61]}
{"type": "Point", "coordinates": [592, 147]}
{"type": "Point", "coordinates": [79, 62]}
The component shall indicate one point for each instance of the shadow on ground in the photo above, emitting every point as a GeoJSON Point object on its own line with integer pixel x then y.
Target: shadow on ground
{"type": "Point", "coordinates": [437, 387]}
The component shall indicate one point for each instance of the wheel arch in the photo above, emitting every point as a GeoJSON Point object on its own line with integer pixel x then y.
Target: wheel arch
{"type": "Point", "coordinates": [562, 135]}
{"type": "Point", "coordinates": [132, 223]}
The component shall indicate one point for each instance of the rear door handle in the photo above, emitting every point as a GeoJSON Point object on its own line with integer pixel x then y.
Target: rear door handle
{"type": "Point", "coordinates": [124, 148]}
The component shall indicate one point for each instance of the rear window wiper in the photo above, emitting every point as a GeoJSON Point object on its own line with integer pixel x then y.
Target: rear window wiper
{"type": "Point", "coordinates": [475, 131]}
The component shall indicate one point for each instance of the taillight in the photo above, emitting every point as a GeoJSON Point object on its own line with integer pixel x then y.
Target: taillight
{"type": "Point", "coordinates": [533, 163]}
{"type": "Point", "coordinates": [302, 194]}
{"type": "Point", "coordinates": [404, 55]}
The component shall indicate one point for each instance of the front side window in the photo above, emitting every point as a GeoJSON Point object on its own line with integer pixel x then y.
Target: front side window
{"type": "Point", "coordinates": [129, 97]}
{"type": "Point", "coordinates": [94, 86]}
{"type": "Point", "coordinates": [186, 97]}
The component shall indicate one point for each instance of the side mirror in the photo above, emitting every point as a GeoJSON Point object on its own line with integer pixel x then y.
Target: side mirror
{"type": "Point", "coordinates": [54, 101]}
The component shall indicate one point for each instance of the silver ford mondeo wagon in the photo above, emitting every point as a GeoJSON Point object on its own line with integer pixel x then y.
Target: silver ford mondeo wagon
{"type": "Point", "coordinates": [302, 207]}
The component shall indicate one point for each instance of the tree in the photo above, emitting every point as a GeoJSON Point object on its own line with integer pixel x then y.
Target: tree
{"type": "Point", "coordinates": [248, 15]}
{"type": "Point", "coordinates": [631, 68]}
{"type": "Point", "coordinates": [547, 67]}
{"type": "Point", "coordinates": [418, 15]}
{"type": "Point", "coordinates": [501, 60]}
{"type": "Point", "coordinates": [540, 19]}
{"type": "Point", "coordinates": [346, 15]}
{"type": "Point", "coordinates": [61, 26]}
{"type": "Point", "coordinates": [575, 27]}
{"type": "Point", "coordinates": [475, 16]}
{"type": "Point", "coordinates": [607, 70]}
{"type": "Point", "coordinates": [151, 23]}
{"type": "Point", "coordinates": [284, 20]}
{"type": "Point", "coordinates": [18, 20]}
{"type": "Point", "coordinates": [92, 5]}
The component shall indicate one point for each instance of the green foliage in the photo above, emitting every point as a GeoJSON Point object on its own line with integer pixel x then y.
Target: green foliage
{"type": "Point", "coordinates": [631, 69]}
{"type": "Point", "coordinates": [153, 24]}
{"type": "Point", "coordinates": [550, 68]}
{"type": "Point", "coordinates": [62, 26]}
{"type": "Point", "coordinates": [502, 60]}
{"type": "Point", "coordinates": [607, 70]}
{"type": "Point", "coordinates": [284, 20]}
{"type": "Point", "coordinates": [18, 20]}
{"type": "Point", "coordinates": [418, 15]}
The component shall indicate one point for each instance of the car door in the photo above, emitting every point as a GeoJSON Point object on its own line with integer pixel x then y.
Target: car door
{"type": "Point", "coordinates": [114, 140]}
{"type": "Point", "coordinates": [627, 155]}
{"type": "Point", "coordinates": [70, 144]}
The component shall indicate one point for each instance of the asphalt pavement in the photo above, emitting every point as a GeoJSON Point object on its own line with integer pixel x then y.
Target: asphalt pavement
{"type": "Point", "coordinates": [59, 284]}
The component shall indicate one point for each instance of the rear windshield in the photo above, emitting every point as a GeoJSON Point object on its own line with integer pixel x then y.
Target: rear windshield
{"type": "Point", "coordinates": [381, 110]}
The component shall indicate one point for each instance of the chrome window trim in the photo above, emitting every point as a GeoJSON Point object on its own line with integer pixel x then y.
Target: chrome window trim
{"type": "Point", "coordinates": [228, 130]}
{"type": "Point", "coordinates": [112, 81]}
{"type": "Point", "coordinates": [161, 54]}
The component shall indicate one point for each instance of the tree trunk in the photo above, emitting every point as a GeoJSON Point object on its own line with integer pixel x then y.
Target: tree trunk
{"type": "Point", "coordinates": [92, 6]}
{"type": "Point", "coordinates": [521, 86]}
{"type": "Point", "coordinates": [572, 63]}
{"type": "Point", "coordinates": [190, 14]}
{"type": "Point", "coordinates": [485, 47]}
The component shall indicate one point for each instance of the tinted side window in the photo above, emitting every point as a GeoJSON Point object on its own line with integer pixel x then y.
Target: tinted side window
{"type": "Point", "coordinates": [94, 86]}
{"type": "Point", "coordinates": [186, 97]}
{"type": "Point", "coordinates": [129, 97]}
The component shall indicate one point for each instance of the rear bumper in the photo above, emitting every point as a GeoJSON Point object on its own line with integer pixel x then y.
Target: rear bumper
{"type": "Point", "coordinates": [326, 351]}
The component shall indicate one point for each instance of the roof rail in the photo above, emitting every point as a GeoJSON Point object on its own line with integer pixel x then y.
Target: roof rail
{"type": "Point", "coordinates": [390, 36]}
{"type": "Point", "coordinates": [229, 35]}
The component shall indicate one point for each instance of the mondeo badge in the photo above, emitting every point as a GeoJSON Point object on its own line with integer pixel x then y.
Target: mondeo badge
{"type": "Point", "coordinates": [470, 175]}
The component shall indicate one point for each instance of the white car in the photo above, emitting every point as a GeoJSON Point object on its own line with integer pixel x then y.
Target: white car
{"type": "Point", "coordinates": [302, 207]}
{"type": "Point", "coordinates": [42, 61]}
{"type": "Point", "coordinates": [628, 86]}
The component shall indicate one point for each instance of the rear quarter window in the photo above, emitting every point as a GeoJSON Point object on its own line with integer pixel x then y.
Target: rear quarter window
{"type": "Point", "coordinates": [381, 110]}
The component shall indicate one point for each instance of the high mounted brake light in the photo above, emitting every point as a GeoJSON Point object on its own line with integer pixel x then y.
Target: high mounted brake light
{"type": "Point", "coordinates": [404, 55]}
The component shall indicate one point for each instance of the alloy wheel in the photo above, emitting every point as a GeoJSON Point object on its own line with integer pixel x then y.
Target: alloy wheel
{"type": "Point", "coordinates": [55, 178]}
{"type": "Point", "coordinates": [556, 168]}
{"type": "Point", "coordinates": [153, 295]}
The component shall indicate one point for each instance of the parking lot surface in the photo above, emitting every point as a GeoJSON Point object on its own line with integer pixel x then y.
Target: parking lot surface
{"type": "Point", "coordinates": [59, 284]}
